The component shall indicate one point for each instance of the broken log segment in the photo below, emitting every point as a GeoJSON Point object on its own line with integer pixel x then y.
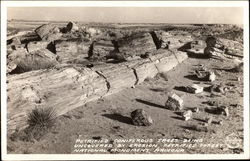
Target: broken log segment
{"type": "Point", "coordinates": [63, 90]}
{"type": "Point", "coordinates": [67, 88]}
{"type": "Point", "coordinates": [69, 50]}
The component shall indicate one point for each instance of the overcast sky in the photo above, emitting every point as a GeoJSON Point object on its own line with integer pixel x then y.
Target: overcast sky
{"type": "Point", "coordinates": [228, 15]}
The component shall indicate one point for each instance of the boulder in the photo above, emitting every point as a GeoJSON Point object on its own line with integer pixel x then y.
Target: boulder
{"type": "Point", "coordinates": [141, 118]}
{"type": "Point", "coordinates": [174, 102]}
{"type": "Point", "coordinates": [48, 32]}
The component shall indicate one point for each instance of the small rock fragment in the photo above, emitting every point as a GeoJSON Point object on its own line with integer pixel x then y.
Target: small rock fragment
{"type": "Point", "coordinates": [220, 122]}
{"type": "Point", "coordinates": [216, 88]}
{"type": "Point", "coordinates": [141, 118]}
{"type": "Point", "coordinates": [209, 120]}
{"type": "Point", "coordinates": [187, 115]}
{"type": "Point", "coordinates": [11, 66]}
{"type": "Point", "coordinates": [174, 102]}
{"type": "Point", "coordinates": [205, 75]}
{"type": "Point", "coordinates": [212, 76]}
{"type": "Point", "coordinates": [196, 109]}
{"type": "Point", "coordinates": [194, 89]}
{"type": "Point", "coordinates": [223, 110]}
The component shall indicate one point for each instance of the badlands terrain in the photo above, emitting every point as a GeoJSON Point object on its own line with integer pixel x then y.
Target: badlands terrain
{"type": "Point", "coordinates": [77, 87]}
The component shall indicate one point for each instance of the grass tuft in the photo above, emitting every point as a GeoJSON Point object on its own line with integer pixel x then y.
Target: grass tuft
{"type": "Point", "coordinates": [40, 121]}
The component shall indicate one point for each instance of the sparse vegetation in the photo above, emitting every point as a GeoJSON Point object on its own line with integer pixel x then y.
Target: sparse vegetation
{"type": "Point", "coordinates": [40, 121]}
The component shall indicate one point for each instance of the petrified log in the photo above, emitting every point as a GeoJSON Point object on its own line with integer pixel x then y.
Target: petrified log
{"type": "Point", "coordinates": [69, 50]}
{"type": "Point", "coordinates": [29, 37]}
{"type": "Point", "coordinates": [48, 32]}
{"type": "Point", "coordinates": [101, 49]}
{"type": "Point", "coordinates": [118, 77]}
{"type": "Point", "coordinates": [137, 44]}
{"type": "Point", "coordinates": [66, 88]}
{"type": "Point", "coordinates": [37, 45]}
{"type": "Point", "coordinates": [141, 118]}
{"type": "Point", "coordinates": [71, 26]}
{"type": "Point", "coordinates": [14, 41]}
{"type": "Point", "coordinates": [39, 59]}
{"type": "Point", "coordinates": [63, 90]}
{"type": "Point", "coordinates": [166, 40]}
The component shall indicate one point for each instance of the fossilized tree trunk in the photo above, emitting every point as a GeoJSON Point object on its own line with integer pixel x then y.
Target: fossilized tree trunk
{"type": "Point", "coordinates": [69, 87]}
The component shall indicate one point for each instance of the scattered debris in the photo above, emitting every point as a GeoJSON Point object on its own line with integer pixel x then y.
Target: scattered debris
{"type": "Point", "coordinates": [209, 120]}
{"type": "Point", "coordinates": [141, 118]}
{"type": "Point", "coordinates": [223, 110]}
{"type": "Point", "coordinates": [196, 109]}
{"type": "Point", "coordinates": [211, 76]}
{"type": "Point", "coordinates": [205, 75]}
{"type": "Point", "coordinates": [220, 122]}
{"type": "Point", "coordinates": [187, 115]}
{"type": "Point", "coordinates": [174, 102]}
{"type": "Point", "coordinates": [216, 88]}
{"type": "Point", "coordinates": [194, 89]}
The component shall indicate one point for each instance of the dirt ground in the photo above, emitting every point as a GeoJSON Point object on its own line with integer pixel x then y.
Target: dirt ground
{"type": "Point", "coordinates": [109, 118]}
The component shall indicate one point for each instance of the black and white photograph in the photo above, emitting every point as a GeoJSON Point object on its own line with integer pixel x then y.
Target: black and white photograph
{"type": "Point", "coordinates": [135, 79]}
